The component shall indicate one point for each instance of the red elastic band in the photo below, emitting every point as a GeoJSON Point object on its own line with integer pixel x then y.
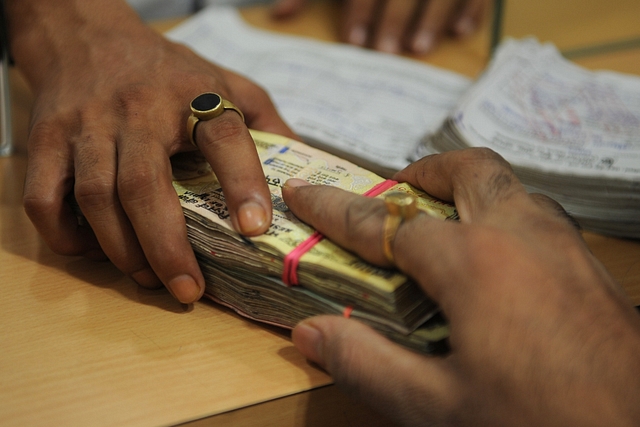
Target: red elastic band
{"type": "Point", "coordinates": [347, 312]}
{"type": "Point", "coordinates": [380, 188]}
{"type": "Point", "coordinates": [292, 259]}
{"type": "Point", "coordinates": [290, 275]}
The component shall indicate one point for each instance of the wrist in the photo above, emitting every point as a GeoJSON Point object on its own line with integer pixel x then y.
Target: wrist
{"type": "Point", "coordinates": [46, 35]}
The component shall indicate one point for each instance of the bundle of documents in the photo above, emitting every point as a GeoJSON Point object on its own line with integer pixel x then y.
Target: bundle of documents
{"type": "Point", "coordinates": [246, 273]}
{"type": "Point", "coordinates": [569, 133]}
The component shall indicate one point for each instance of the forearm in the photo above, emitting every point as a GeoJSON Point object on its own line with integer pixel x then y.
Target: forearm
{"type": "Point", "coordinates": [45, 34]}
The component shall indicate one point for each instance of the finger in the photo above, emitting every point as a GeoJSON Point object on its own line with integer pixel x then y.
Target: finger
{"type": "Point", "coordinates": [469, 17]}
{"type": "Point", "coordinates": [286, 8]}
{"type": "Point", "coordinates": [477, 180]}
{"type": "Point", "coordinates": [394, 21]}
{"type": "Point", "coordinates": [359, 16]}
{"type": "Point", "coordinates": [350, 220]}
{"type": "Point", "coordinates": [407, 387]}
{"type": "Point", "coordinates": [49, 180]}
{"type": "Point", "coordinates": [96, 194]}
{"type": "Point", "coordinates": [431, 24]}
{"type": "Point", "coordinates": [226, 143]}
{"type": "Point", "coordinates": [150, 202]}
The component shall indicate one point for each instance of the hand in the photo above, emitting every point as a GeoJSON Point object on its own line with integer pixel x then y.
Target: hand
{"type": "Point", "coordinates": [400, 25]}
{"type": "Point", "coordinates": [111, 104]}
{"type": "Point", "coordinates": [540, 333]}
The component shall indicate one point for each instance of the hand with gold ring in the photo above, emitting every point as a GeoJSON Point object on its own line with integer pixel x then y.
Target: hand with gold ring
{"type": "Point", "coordinates": [104, 129]}
{"type": "Point", "coordinates": [540, 333]}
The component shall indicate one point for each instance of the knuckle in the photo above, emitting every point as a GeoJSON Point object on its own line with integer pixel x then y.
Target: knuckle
{"type": "Point", "coordinates": [223, 130]}
{"type": "Point", "coordinates": [487, 169]}
{"type": "Point", "coordinates": [484, 154]}
{"type": "Point", "coordinates": [37, 203]}
{"type": "Point", "coordinates": [94, 193]}
{"type": "Point", "coordinates": [137, 183]}
{"type": "Point", "coordinates": [133, 98]}
{"type": "Point", "coordinates": [44, 133]}
{"type": "Point", "coordinates": [555, 209]}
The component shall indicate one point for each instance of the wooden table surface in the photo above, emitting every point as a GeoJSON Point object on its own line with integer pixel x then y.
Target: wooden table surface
{"type": "Point", "coordinates": [81, 344]}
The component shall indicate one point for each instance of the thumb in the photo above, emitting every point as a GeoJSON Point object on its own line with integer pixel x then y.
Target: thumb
{"type": "Point", "coordinates": [286, 8]}
{"type": "Point", "coordinates": [410, 388]}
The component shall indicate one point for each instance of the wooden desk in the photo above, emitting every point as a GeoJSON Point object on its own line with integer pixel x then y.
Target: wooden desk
{"type": "Point", "coordinates": [82, 345]}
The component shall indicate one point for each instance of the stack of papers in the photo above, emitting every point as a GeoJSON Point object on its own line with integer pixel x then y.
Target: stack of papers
{"type": "Point", "coordinates": [569, 133]}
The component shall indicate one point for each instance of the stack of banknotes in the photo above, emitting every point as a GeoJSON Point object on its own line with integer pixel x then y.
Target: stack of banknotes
{"type": "Point", "coordinates": [246, 273]}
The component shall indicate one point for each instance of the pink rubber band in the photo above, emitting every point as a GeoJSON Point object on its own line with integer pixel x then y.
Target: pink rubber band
{"type": "Point", "coordinates": [347, 312]}
{"type": "Point", "coordinates": [380, 188]}
{"type": "Point", "coordinates": [292, 259]}
{"type": "Point", "coordinates": [290, 275]}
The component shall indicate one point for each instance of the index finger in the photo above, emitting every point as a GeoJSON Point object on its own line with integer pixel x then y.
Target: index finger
{"type": "Point", "coordinates": [228, 147]}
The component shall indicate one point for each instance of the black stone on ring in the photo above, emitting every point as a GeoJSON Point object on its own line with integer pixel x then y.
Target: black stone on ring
{"type": "Point", "coordinates": [206, 101]}
{"type": "Point", "coordinates": [207, 106]}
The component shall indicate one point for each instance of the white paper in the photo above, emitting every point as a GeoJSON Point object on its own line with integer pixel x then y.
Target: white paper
{"type": "Point", "coordinates": [372, 105]}
{"type": "Point", "coordinates": [540, 111]}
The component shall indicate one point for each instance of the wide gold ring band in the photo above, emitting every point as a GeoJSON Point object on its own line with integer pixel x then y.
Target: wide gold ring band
{"type": "Point", "coordinates": [401, 207]}
{"type": "Point", "coordinates": [207, 106]}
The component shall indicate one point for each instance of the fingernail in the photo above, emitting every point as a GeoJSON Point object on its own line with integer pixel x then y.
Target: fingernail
{"type": "Point", "coordinates": [185, 289]}
{"type": "Point", "coordinates": [252, 218]}
{"type": "Point", "coordinates": [423, 43]}
{"type": "Point", "coordinates": [309, 341]}
{"type": "Point", "coordinates": [465, 26]}
{"type": "Point", "coordinates": [389, 45]}
{"type": "Point", "coordinates": [147, 278]}
{"type": "Point", "coordinates": [357, 36]}
{"type": "Point", "coordinates": [296, 182]}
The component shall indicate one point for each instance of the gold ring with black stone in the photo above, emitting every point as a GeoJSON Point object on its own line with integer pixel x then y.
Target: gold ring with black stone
{"type": "Point", "coordinates": [207, 106]}
{"type": "Point", "coordinates": [400, 207]}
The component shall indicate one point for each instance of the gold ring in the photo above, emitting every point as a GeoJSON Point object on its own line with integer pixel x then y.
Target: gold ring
{"type": "Point", "coordinates": [207, 106]}
{"type": "Point", "coordinates": [400, 207]}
